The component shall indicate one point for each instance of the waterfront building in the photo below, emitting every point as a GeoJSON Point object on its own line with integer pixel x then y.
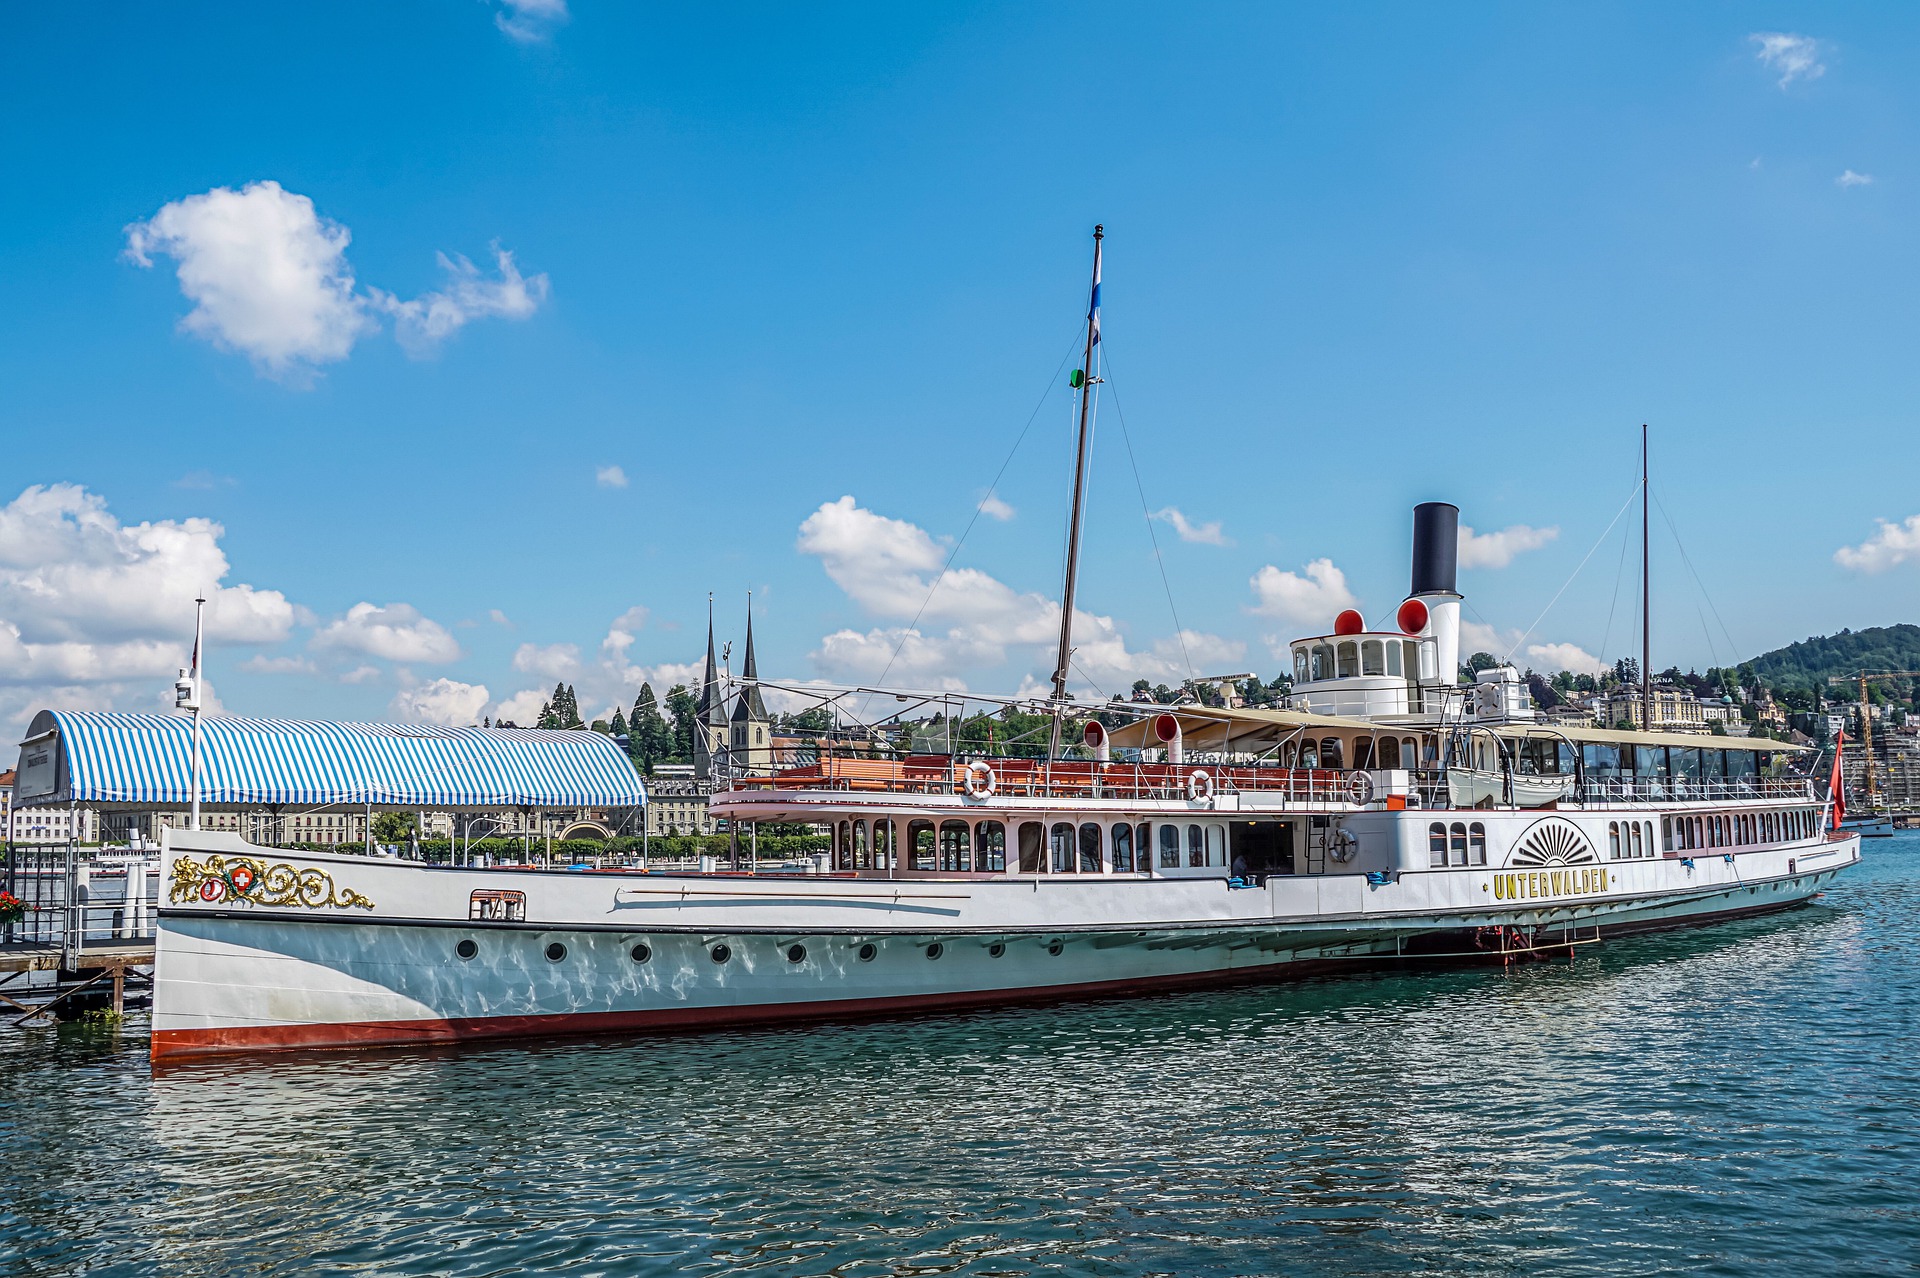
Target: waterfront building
{"type": "Point", "coordinates": [677, 802]}
{"type": "Point", "coordinates": [1674, 709]}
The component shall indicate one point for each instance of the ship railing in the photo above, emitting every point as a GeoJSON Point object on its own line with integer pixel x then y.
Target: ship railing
{"type": "Point", "coordinates": [1628, 789]}
{"type": "Point", "coordinates": [1066, 780]}
{"type": "Point", "coordinates": [74, 900]}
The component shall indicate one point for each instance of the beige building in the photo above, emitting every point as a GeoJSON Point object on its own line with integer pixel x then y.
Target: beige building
{"type": "Point", "coordinates": [1674, 709]}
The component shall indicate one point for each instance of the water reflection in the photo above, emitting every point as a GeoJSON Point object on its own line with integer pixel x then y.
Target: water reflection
{"type": "Point", "coordinates": [1713, 1099]}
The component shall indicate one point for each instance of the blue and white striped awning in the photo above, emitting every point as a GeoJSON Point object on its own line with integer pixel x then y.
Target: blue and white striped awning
{"type": "Point", "coordinates": [145, 760]}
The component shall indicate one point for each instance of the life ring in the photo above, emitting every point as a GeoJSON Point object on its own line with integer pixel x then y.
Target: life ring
{"type": "Point", "coordinates": [1360, 789]}
{"type": "Point", "coordinates": [1199, 785]}
{"type": "Point", "coordinates": [1341, 846]}
{"type": "Point", "coordinates": [980, 780]}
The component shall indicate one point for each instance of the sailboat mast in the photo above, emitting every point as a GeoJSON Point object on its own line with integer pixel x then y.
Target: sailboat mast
{"type": "Point", "coordinates": [1646, 592]}
{"type": "Point", "coordinates": [1087, 381]}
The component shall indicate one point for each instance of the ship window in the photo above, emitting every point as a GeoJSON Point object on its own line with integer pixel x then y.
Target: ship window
{"type": "Point", "coordinates": [1666, 833]}
{"type": "Point", "coordinates": [1299, 665]}
{"type": "Point", "coordinates": [956, 846]}
{"type": "Point", "coordinates": [1216, 845]}
{"type": "Point", "coordinates": [1322, 661]}
{"type": "Point", "coordinates": [1394, 649]}
{"type": "Point", "coordinates": [1033, 838]}
{"type": "Point", "coordinates": [862, 857]}
{"type": "Point", "coordinates": [1698, 841]}
{"type": "Point", "coordinates": [1330, 752]}
{"type": "Point", "coordinates": [1390, 752]}
{"type": "Point", "coordinates": [843, 847]}
{"type": "Point", "coordinates": [920, 844]}
{"type": "Point", "coordinates": [1089, 848]}
{"type": "Point", "coordinates": [1457, 844]}
{"type": "Point", "coordinates": [1613, 840]}
{"type": "Point", "coordinates": [1169, 847]}
{"type": "Point", "coordinates": [1060, 848]}
{"type": "Point", "coordinates": [1349, 659]}
{"type": "Point", "coordinates": [1196, 846]}
{"type": "Point", "coordinates": [1309, 754]}
{"type": "Point", "coordinates": [883, 845]}
{"type": "Point", "coordinates": [1372, 658]}
{"type": "Point", "coordinates": [1476, 844]}
{"type": "Point", "coordinates": [990, 847]}
{"type": "Point", "coordinates": [1363, 752]}
{"type": "Point", "coordinates": [1122, 849]}
{"type": "Point", "coordinates": [1638, 847]}
{"type": "Point", "coordinates": [1437, 845]}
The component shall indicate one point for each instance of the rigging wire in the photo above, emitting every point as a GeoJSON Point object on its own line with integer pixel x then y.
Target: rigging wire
{"type": "Point", "coordinates": [1732, 647]}
{"type": "Point", "coordinates": [1576, 572]}
{"type": "Point", "coordinates": [979, 508]}
{"type": "Point", "coordinates": [1613, 604]}
{"type": "Point", "coordinates": [1179, 631]}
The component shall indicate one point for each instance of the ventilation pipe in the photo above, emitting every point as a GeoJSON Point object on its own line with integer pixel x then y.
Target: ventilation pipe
{"type": "Point", "coordinates": [1095, 737]}
{"type": "Point", "coordinates": [1167, 728]}
{"type": "Point", "coordinates": [1436, 557]}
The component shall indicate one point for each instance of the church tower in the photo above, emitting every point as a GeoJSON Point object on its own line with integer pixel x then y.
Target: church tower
{"type": "Point", "coordinates": [710, 733]}
{"type": "Point", "coordinates": [752, 735]}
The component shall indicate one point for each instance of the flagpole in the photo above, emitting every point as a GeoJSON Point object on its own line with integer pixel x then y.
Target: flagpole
{"type": "Point", "coordinates": [1086, 381]}
{"type": "Point", "coordinates": [199, 610]}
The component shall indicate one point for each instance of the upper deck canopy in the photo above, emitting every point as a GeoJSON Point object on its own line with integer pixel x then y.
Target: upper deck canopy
{"type": "Point", "coordinates": [1578, 735]}
{"type": "Point", "coordinates": [145, 760]}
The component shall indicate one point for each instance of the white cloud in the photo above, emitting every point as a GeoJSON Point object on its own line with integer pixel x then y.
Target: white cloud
{"type": "Point", "coordinates": [361, 674]}
{"type": "Point", "coordinates": [263, 664]}
{"type": "Point", "coordinates": [522, 708]}
{"type": "Point", "coordinates": [888, 567]}
{"type": "Point", "coordinates": [1477, 636]}
{"type": "Point", "coordinates": [1795, 57]}
{"type": "Point", "coordinates": [610, 477]}
{"type": "Point", "coordinates": [424, 322]}
{"type": "Point", "coordinates": [499, 618]}
{"type": "Point", "coordinates": [1850, 178]}
{"type": "Point", "coordinates": [269, 278]}
{"type": "Point", "coordinates": [1565, 656]}
{"type": "Point", "coordinates": [1207, 534]}
{"type": "Point", "coordinates": [1308, 599]}
{"type": "Point", "coordinates": [1893, 544]}
{"type": "Point", "coordinates": [1497, 549]}
{"type": "Point", "coordinates": [530, 21]}
{"type": "Point", "coordinates": [994, 508]}
{"type": "Point", "coordinates": [557, 661]}
{"type": "Point", "coordinates": [87, 600]}
{"type": "Point", "coordinates": [396, 632]}
{"type": "Point", "coordinates": [442, 701]}
{"type": "Point", "coordinates": [623, 632]}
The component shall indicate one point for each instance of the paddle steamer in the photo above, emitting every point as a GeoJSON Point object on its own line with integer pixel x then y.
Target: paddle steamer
{"type": "Point", "coordinates": [1388, 812]}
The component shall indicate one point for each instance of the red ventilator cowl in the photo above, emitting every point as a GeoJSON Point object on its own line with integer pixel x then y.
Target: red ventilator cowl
{"type": "Point", "coordinates": [1349, 622]}
{"type": "Point", "coordinates": [1412, 617]}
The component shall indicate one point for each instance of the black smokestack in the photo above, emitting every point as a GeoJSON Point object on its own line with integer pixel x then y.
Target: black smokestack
{"type": "Point", "coordinates": [1436, 547]}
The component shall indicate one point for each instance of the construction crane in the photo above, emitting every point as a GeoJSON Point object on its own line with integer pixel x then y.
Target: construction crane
{"type": "Point", "coordinates": [1866, 721]}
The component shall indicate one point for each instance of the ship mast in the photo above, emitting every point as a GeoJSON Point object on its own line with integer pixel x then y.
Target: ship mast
{"type": "Point", "coordinates": [1646, 594]}
{"type": "Point", "coordinates": [1084, 381]}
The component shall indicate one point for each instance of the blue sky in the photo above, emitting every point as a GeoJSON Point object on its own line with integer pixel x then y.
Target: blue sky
{"type": "Point", "coordinates": [782, 287]}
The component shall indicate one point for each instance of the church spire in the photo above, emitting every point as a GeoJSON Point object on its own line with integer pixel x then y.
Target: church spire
{"type": "Point", "coordinates": [751, 705]}
{"type": "Point", "coordinates": [711, 710]}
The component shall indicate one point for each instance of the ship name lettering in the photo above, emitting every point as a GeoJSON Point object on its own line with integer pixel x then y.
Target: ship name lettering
{"type": "Point", "coordinates": [1535, 884]}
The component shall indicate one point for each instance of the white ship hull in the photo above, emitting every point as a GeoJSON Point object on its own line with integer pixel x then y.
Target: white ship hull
{"type": "Point", "coordinates": [261, 949]}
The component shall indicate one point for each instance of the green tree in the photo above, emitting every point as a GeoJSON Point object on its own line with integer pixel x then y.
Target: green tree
{"type": "Point", "coordinates": [619, 725]}
{"type": "Point", "coordinates": [392, 827]}
{"type": "Point", "coordinates": [684, 712]}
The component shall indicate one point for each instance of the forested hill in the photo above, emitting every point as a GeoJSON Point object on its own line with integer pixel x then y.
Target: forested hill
{"type": "Point", "coordinates": [1811, 660]}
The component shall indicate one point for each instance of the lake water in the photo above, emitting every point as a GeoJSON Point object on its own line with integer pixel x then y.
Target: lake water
{"type": "Point", "coordinates": [1742, 1099]}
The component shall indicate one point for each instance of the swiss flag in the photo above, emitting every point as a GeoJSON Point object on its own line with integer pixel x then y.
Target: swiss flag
{"type": "Point", "coordinates": [1833, 784]}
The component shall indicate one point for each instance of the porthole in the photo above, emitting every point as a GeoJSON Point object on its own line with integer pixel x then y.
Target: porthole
{"type": "Point", "coordinates": [467, 948]}
{"type": "Point", "coordinates": [720, 953]}
{"type": "Point", "coordinates": [935, 950]}
{"type": "Point", "coordinates": [556, 952]}
{"type": "Point", "coordinates": [867, 952]}
{"type": "Point", "coordinates": [996, 950]}
{"type": "Point", "coordinates": [1054, 947]}
{"type": "Point", "coordinates": [641, 952]}
{"type": "Point", "coordinates": [796, 954]}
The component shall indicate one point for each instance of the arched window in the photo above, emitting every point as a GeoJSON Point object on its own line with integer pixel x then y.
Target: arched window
{"type": "Point", "coordinates": [1033, 838]}
{"type": "Point", "coordinates": [1409, 753]}
{"type": "Point", "coordinates": [1476, 844]}
{"type": "Point", "coordinates": [1196, 846]}
{"type": "Point", "coordinates": [1309, 754]}
{"type": "Point", "coordinates": [990, 847]}
{"type": "Point", "coordinates": [1373, 659]}
{"type": "Point", "coordinates": [1169, 847]}
{"type": "Point", "coordinates": [1666, 833]}
{"type": "Point", "coordinates": [920, 844]}
{"type": "Point", "coordinates": [1437, 845]}
{"type": "Point", "coordinates": [883, 845]}
{"type": "Point", "coordinates": [1123, 849]}
{"type": "Point", "coordinates": [1216, 845]}
{"type": "Point", "coordinates": [1363, 753]}
{"type": "Point", "coordinates": [1390, 752]}
{"type": "Point", "coordinates": [1349, 659]}
{"type": "Point", "coordinates": [1060, 847]}
{"type": "Point", "coordinates": [1639, 848]}
{"type": "Point", "coordinates": [1613, 840]}
{"type": "Point", "coordinates": [1394, 666]}
{"type": "Point", "coordinates": [862, 857]}
{"type": "Point", "coordinates": [843, 846]}
{"type": "Point", "coordinates": [1330, 752]}
{"type": "Point", "coordinates": [1299, 665]}
{"type": "Point", "coordinates": [1322, 661]}
{"type": "Point", "coordinates": [956, 845]}
{"type": "Point", "coordinates": [1457, 844]}
{"type": "Point", "coordinates": [1089, 848]}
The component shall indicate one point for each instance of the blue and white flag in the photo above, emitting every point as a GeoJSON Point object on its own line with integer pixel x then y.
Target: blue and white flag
{"type": "Point", "coordinates": [1093, 311]}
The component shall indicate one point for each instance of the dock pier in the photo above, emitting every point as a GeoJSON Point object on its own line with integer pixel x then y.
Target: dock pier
{"type": "Point", "coordinates": [90, 923]}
